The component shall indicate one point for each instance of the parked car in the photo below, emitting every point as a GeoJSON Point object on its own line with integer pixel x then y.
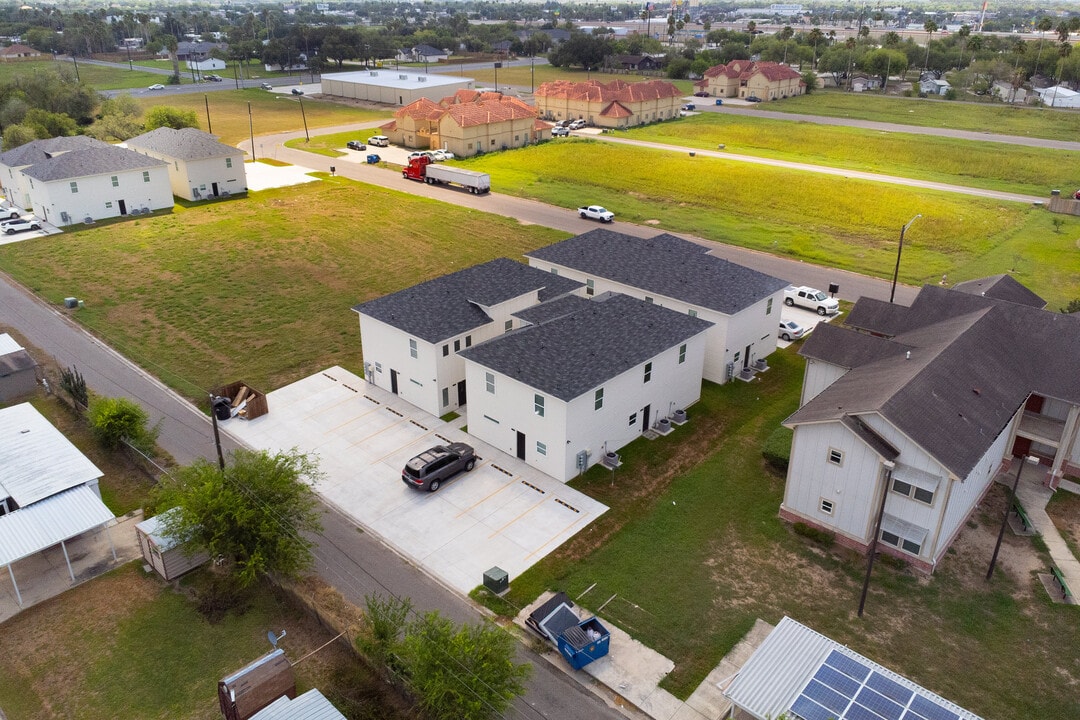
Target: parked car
{"type": "Point", "coordinates": [16, 226]}
{"type": "Point", "coordinates": [1076, 195]}
{"type": "Point", "coordinates": [559, 131]}
{"type": "Point", "coordinates": [440, 155]}
{"type": "Point", "coordinates": [421, 153]}
{"type": "Point", "coordinates": [379, 141]}
{"type": "Point", "coordinates": [213, 78]}
{"type": "Point", "coordinates": [431, 468]}
{"type": "Point", "coordinates": [11, 214]}
{"type": "Point", "coordinates": [297, 91]}
{"type": "Point", "coordinates": [689, 106]}
{"type": "Point", "coordinates": [753, 98]}
{"type": "Point", "coordinates": [701, 93]}
{"type": "Point", "coordinates": [266, 86]}
{"type": "Point", "coordinates": [811, 299]}
{"type": "Point", "coordinates": [577, 125]}
{"type": "Point", "coordinates": [156, 86]}
{"type": "Point", "coordinates": [355, 145]}
{"type": "Point", "coordinates": [791, 330]}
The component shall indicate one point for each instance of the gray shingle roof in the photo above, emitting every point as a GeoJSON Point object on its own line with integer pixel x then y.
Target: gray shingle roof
{"type": "Point", "coordinates": [552, 309]}
{"type": "Point", "coordinates": [973, 362]}
{"type": "Point", "coordinates": [577, 352]}
{"type": "Point", "coordinates": [665, 265]}
{"type": "Point", "coordinates": [89, 161]}
{"type": "Point", "coordinates": [450, 305]}
{"type": "Point", "coordinates": [185, 144]}
{"type": "Point", "coordinates": [37, 150]}
{"type": "Point", "coordinates": [1002, 287]}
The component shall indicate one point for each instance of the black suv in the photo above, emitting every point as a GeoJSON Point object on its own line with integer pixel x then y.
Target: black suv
{"type": "Point", "coordinates": [429, 469]}
{"type": "Point", "coordinates": [355, 145]}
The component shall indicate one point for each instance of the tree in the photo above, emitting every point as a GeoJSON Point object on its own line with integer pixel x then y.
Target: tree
{"type": "Point", "coordinates": [165, 116]}
{"type": "Point", "coordinates": [71, 380]}
{"type": "Point", "coordinates": [1044, 25]}
{"type": "Point", "coordinates": [120, 118]}
{"type": "Point", "coordinates": [116, 421]}
{"type": "Point", "coordinates": [931, 27]}
{"type": "Point", "coordinates": [465, 673]}
{"type": "Point", "coordinates": [884, 62]}
{"type": "Point", "coordinates": [49, 124]}
{"type": "Point", "coordinates": [256, 513]}
{"type": "Point", "coordinates": [16, 135]}
{"type": "Point", "coordinates": [815, 36]}
{"type": "Point", "coordinates": [963, 33]}
{"type": "Point", "coordinates": [810, 78]}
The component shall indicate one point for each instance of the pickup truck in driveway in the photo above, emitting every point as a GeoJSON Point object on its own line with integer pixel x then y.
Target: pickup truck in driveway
{"type": "Point", "coordinates": [810, 299]}
{"type": "Point", "coordinates": [595, 212]}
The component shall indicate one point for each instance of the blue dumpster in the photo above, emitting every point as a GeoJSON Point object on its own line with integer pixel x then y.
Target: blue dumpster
{"type": "Point", "coordinates": [372, 159]}
{"type": "Point", "coordinates": [719, 101]}
{"type": "Point", "coordinates": [584, 642]}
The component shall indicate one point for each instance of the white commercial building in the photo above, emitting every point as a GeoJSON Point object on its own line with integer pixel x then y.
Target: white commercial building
{"type": "Point", "coordinates": [392, 87]}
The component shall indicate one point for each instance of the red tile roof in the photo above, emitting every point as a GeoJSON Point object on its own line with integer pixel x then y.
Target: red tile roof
{"type": "Point", "coordinates": [614, 91]}
{"type": "Point", "coordinates": [468, 107]}
{"type": "Point", "coordinates": [745, 69]}
{"type": "Point", "coordinates": [615, 110]}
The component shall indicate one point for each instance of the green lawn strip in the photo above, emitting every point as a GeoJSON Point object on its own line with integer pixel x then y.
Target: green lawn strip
{"type": "Point", "coordinates": [99, 77]}
{"type": "Point", "coordinates": [330, 145]}
{"type": "Point", "coordinates": [928, 112]}
{"type": "Point", "coordinates": [270, 112]}
{"type": "Point", "coordinates": [988, 165]}
{"type": "Point", "coordinates": [688, 569]}
{"type": "Point", "coordinates": [150, 655]}
{"type": "Point", "coordinates": [252, 289]}
{"type": "Point", "coordinates": [836, 222]}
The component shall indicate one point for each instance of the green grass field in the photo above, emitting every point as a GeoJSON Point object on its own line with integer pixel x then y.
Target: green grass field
{"type": "Point", "coordinates": [837, 222]}
{"type": "Point", "coordinates": [990, 165]}
{"type": "Point", "coordinates": [96, 76]}
{"type": "Point", "coordinates": [978, 117]}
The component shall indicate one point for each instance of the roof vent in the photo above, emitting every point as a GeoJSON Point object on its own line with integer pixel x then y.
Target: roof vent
{"type": "Point", "coordinates": [907, 355]}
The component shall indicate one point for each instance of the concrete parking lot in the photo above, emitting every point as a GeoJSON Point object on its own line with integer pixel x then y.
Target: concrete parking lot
{"type": "Point", "coordinates": [503, 514]}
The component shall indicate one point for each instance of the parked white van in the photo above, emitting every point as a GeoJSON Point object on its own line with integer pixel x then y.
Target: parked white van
{"type": "Point", "coordinates": [379, 141]}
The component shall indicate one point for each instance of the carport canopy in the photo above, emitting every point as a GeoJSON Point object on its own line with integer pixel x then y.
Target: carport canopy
{"type": "Point", "coordinates": [49, 522]}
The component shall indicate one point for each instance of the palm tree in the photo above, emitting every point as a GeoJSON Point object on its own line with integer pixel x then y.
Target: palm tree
{"type": "Point", "coordinates": [1044, 25]}
{"type": "Point", "coordinates": [930, 27]}
{"type": "Point", "coordinates": [815, 36]}
{"type": "Point", "coordinates": [963, 33]}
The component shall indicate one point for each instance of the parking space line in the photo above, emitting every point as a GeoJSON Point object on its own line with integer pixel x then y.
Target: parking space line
{"type": "Point", "coordinates": [540, 549]}
{"type": "Point", "coordinates": [400, 447]}
{"type": "Point", "coordinates": [506, 525]}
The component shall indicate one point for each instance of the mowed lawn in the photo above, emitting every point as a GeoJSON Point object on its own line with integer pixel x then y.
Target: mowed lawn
{"type": "Point", "coordinates": [1053, 124]}
{"type": "Point", "coordinates": [98, 77]}
{"type": "Point", "coordinates": [259, 288]}
{"type": "Point", "coordinates": [692, 551]}
{"type": "Point", "coordinates": [991, 165]}
{"type": "Point", "coordinates": [127, 645]}
{"type": "Point", "coordinates": [838, 222]}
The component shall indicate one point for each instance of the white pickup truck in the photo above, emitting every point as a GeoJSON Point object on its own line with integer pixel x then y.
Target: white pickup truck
{"type": "Point", "coordinates": [596, 212]}
{"type": "Point", "coordinates": [811, 299]}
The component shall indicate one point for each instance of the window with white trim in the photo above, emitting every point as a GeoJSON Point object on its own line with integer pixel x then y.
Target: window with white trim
{"type": "Point", "coordinates": [590, 287]}
{"type": "Point", "coordinates": [468, 341]}
{"type": "Point", "coordinates": [538, 405]}
{"type": "Point", "coordinates": [913, 491]}
{"type": "Point", "coordinates": [146, 176]}
{"type": "Point", "coordinates": [633, 420]}
{"type": "Point", "coordinates": [445, 397]}
{"type": "Point", "coordinates": [445, 349]}
{"type": "Point", "coordinates": [768, 307]}
{"type": "Point", "coordinates": [826, 506]}
{"type": "Point", "coordinates": [115, 181]}
{"type": "Point", "coordinates": [228, 162]}
{"type": "Point", "coordinates": [489, 382]}
{"type": "Point", "coordinates": [412, 349]}
{"type": "Point", "coordinates": [836, 457]}
{"type": "Point", "coordinates": [598, 399]}
{"type": "Point", "coordinates": [378, 367]}
{"type": "Point", "coordinates": [74, 188]}
{"type": "Point", "coordinates": [692, 312]}
{"type": "Point", "coordinates": [541, 448]}
{"type": "Point", "coordinates": [648, 372]}
{"type": "Point", "coordinates": [902, 534]}
{"type": "Point", "coordinates": [682, 353]}
{"type": "Point", "coordinates": [648, 299]}
{"type": "Point", "coordinates": [508, 326]}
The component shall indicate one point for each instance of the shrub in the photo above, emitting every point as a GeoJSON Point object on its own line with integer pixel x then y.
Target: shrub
{"type": "Point", "coordinates": [951, 94]}
{"type": "Point", "coordinates": [114, 421]}
{"type": "Point", "coordinates": [777, 449]}
{"type": "Point", "coordinates": [821, 537]}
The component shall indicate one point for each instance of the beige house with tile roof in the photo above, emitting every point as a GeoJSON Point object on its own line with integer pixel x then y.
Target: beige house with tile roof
{"type": "Point", "coordinates": [18, 52]}
{"type": "Point", "coordinates": [617, 104]}
{"type": "Point", "coordinates": [467, 123]}
{"type": "Point", "coordinates": [744, 78]}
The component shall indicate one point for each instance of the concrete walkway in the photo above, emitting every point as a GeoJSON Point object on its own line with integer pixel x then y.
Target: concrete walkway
{"type": "Point", "coordinates": [1034, 496]}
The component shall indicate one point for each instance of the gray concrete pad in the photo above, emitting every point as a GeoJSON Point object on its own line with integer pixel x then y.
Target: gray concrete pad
{"type": "Point", "coordinates": [44, 575]}
{"type": "Point", "coordinates": [261, 176]}
{"type": "Point", "coordinates": [504, 513]}
{"type": "Point", "coordinates": [807, 318]}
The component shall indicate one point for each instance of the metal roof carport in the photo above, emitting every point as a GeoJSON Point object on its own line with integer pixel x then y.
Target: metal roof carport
{"type": "Point", "coordinates": [49, 522]}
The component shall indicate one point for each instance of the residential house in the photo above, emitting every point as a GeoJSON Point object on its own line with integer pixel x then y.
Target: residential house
{"type": "Point", "coordinates": [502, 48]}
{"type": "Point", "coordinates": [1059, 96]}
{"type": "Point", "coordinates": [18, 52]}
{"type": "Point", "coordinates": [617, 104]}
{"type": "Point", "coordinates": [554, 35]}
{"type": "Point", "coordinates": [799, 673]}
{"type": "Point", "coordinates": [467, 123]}
{"type": "Point", "coordinates": [70, 180]}
{"type": "Point", "coordinates": [199, 166]}
{"type": "Point", "coordinates": [18, 370]}
{"type": "Point", "coordinates": [743, 305]}
{"type": "Point", "coordinates": [635, 63]}
{"type": "Point", "coordinates": [197, 51]}
{"type": "Point", "coordinates": [422, 54]}
{"type": "Point", "coordinates": [411, 338]}
{"type": "Point", "coordinates": [48, 489]}
{"type": "Point", "coordinates": [582, 378]}
{"type": "Point", "coordinates": [933, 85]}
{"type": "Point", "coordinates": [921, 406]}
{"type": "Point", "coordinates": [746, 78]}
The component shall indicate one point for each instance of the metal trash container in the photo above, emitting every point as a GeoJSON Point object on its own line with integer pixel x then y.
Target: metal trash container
{"type": "Point", "coordinates": [222, 407]}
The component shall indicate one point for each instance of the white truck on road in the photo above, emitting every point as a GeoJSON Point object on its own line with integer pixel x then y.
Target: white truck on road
{"type": "Point", "coordinates": [811, 299]}
{"type": "Point", "coordinates": [596, 212]}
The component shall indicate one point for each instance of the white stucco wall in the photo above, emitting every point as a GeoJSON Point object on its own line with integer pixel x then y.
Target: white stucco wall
{"type": "Point", "coordinates": [818, 376]}
{"type": "Point", "coordinates": [567, 428]}
{"type": "Point", "coordinates": [202, 174]}
{"type": "Point", "coordinates": [386, 349]}
{"type": "Point", "coordinates": [97, 198]}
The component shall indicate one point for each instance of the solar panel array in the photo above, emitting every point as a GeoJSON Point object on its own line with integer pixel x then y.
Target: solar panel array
{"type": "Point", "coordinates": [843, 688]}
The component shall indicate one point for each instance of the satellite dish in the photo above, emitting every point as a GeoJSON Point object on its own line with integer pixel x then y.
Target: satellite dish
{"type": "Point", "coordinates": [274, 638]}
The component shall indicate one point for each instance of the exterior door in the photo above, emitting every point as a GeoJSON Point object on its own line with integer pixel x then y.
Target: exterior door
{"type": "Point", "coordinates": [746, 357]}
{"type": "Point", "coordinates": [123, 207]}
{"type": "Point", "coordinates": [393, 381]}
{"type": "Point", "coordinates": [461, 393]}
{"type": "Point", "coordinates": [645, 418]}
{"type": "Point", "coordinates": [521, 445]}
{"type": "Point", "coordinates": [213, 186]}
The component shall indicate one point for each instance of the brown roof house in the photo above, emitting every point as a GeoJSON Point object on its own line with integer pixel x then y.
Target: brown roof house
{"type": "Point", "coordinates": [745, 78]}
{"type": "Point", "coordinates": [18, 52]}
{"type": "Point", "coordinates": [617, 104]}
{"type": "Point", "coordinates": [467, 123]}
{"type": "Point", "coordinates": [921, 407]}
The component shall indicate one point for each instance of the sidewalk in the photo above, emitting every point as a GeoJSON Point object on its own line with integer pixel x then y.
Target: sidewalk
{"type": "Point", "coordinates": [1034, 496]}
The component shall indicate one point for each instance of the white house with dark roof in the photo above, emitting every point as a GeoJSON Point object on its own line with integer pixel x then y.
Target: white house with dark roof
{"type": "Point", "coordinates": [64, 180]}
{"type": "Point", "coordinates": [743, 305]}
{"type": "Point", "coordinates": [932, 401]}
{"type": "Point", "coordinates": [582, 377]}
{"type": "Point", "coordinates": [199, 166]}
{"type": "Point", "coordinates": [411, 339]}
